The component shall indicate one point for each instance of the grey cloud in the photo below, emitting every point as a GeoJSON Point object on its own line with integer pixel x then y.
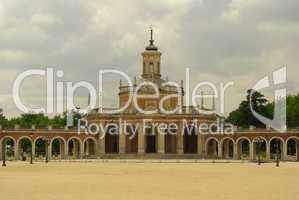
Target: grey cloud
{"type": "Point", "coordinates": [220, 40]}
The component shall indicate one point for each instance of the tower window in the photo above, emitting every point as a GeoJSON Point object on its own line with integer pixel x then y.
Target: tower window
{"type": "Point", "coordinates": [151, 67]}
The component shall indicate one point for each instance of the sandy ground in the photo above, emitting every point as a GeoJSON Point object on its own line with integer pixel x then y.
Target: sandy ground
{"type": "Point", "coordinates": [71, 181]}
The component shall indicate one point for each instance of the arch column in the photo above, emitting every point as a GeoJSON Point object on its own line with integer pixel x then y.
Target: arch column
{"type": "Point", "coordinates": [1, 148]}
{"type": "Point", "coordinates": [99, 149]}
{"type": "Point", "coordinates": [87, 147]}
{"type": "Point", "coordinates": [33, 150]}
{"type": "Point", "coordinates": [268, 154]}
{"type": "Point", "coordinates": [16, 150]}
{"type": "Point", "coordinates": [219, 149]}
{"type": "Point", "coordinates": [225, 148]}
{"type": "Point", "coordinates": [285, 150]}
{"type": "Point", "coordinates": [81, 152]}
{"type": "Point", "coordinates": [236, 156]}
{"type": "Point", "coordinates": [66, 150]}
{"type": "Point", "coordinates": [101, 144]}
{"type": "Point", "coordinates": [215, 147]}
{"type": "Point", "coordinates": [251, 150]}
{"type": "Point", "coordinates": [297, 149]}
{"type": "Point", "coordinates": [49, 150]}
{"type": "Point", "coordinates": [75, 149]}
{"type": "Point", "coordinates": [200, 144]}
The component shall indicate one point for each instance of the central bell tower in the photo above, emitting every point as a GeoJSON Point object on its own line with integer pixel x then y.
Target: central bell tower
{"type": "Point", "coordinates": [151, 60]}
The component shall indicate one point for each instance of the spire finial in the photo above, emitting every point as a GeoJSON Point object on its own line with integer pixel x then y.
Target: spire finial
{"type": "Point", "coordinates": [152, 38]}
{"type": "Point", "coordinates": [151, 46]}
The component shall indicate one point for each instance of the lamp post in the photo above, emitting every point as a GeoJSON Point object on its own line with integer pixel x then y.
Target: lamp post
{"type": "Point", "coordinates": [277, 153]}
{"type": "Point", "coordinates": [4, 152]}
{"type": "Point", "coordinates": [47, 142]}
{"type": "Point", "coordinates": [31, 154]}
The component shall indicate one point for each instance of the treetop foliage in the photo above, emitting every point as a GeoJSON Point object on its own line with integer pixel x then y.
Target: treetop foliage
{"type": "Point", "coordinates": [243, 116]}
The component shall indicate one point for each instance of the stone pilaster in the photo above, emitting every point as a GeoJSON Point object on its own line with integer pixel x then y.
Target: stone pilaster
{"type": "Point", "coordinates": [180, 139]}
{"type": "Point", "coordinates": [101, 144]}
{"type": "Point", "coordinates": [122, 140]}
{"type": "Point", "coordinates": [141, 136]}
{"type": "Point", "coordinates": [161, 142]}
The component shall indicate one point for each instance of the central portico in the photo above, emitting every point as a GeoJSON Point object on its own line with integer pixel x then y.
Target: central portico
{"type": "Point", "coordinates": [147, 141]}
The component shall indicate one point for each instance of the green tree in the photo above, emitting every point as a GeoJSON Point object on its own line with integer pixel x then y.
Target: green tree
{"type": "Point", "coordinates": [3, 120]}
{"type": "Point", "coordinates": [243, 115]}
{"type": "Point", "coordinates": [29, 119]}
{"type": "Point", "coordinates": [292, 103]}
{"type": "Point", "coordinates": [58, 121]}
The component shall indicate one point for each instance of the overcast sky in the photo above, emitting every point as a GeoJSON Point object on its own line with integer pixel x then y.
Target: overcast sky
{"type": "Point", "coordinates": [219, 40]}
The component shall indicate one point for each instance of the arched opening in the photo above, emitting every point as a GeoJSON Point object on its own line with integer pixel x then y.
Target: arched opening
{"type": "Point", "coordinates": [151, 140]}
{"type": "Point", "coordinates": [212, 148]}
{"type": "Point", "coordinates": [276, 148]}
{"type": "Point", "coordinates": [89, 148]}
{"type": "Point", "coordinates": [10, 148]}
{"type": "Point", "coordinates": [58, 148]}
{"type": "Point", "coordinates": [190, 140]}
{"type": "Point", "coordinates": [259, 148]}
{"type": "Point", "coordinates": [228, 148]}
{"type": "Point", "coordinates": [25, 148]}
{"type": "Point", "coordinates": [74, 148]}
{"type": "Point", "coordinates": [131, 139]}
{"type": "Point", "coordinates": [243, 148]}
{"type": "Point", "coordinates": [112, 140]}
{"type": "Point", "coordinates": [40, 148]}
{"type": "Point", "coordinates": [170, 140]}
{"type": "Point", "coordinates": [292, 148]}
